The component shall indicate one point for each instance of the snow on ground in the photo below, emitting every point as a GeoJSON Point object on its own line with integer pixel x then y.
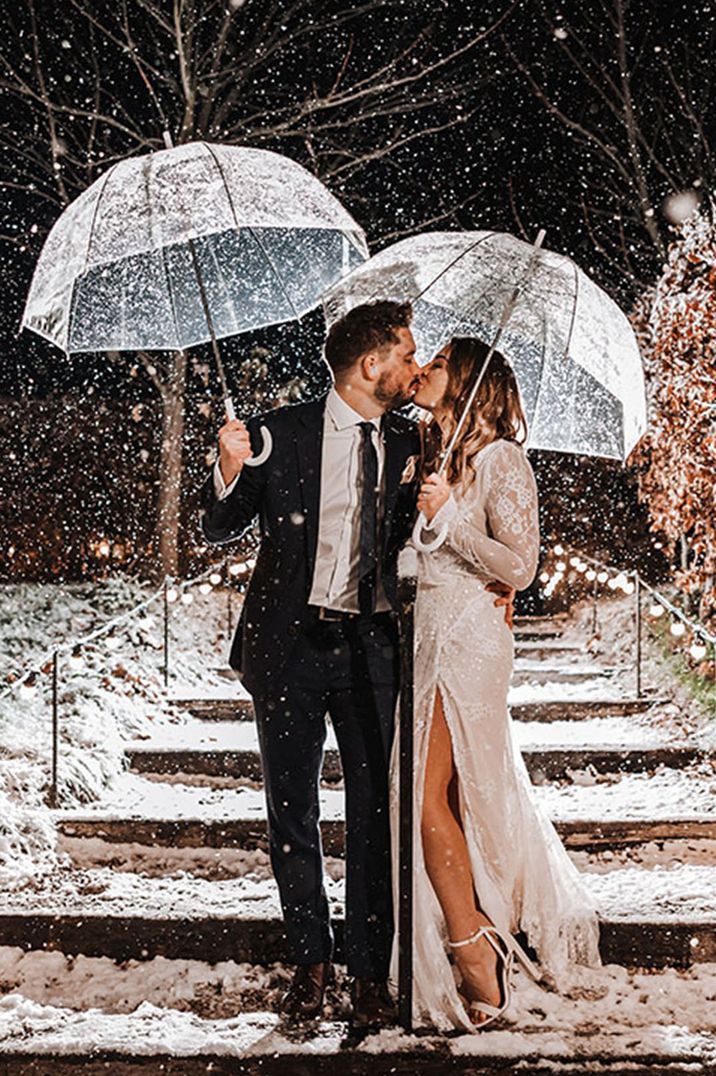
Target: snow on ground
{"type": "Point", "coordinates": [664, 794]}
{"type": "Point", "coordinates": [117, 695]}
{"type": "Point", "coordinates": [658, 892]}
{"type": "Point", "coordinates": [192, 1008]}
{"type": "Point", "coordinates": [633, 730]}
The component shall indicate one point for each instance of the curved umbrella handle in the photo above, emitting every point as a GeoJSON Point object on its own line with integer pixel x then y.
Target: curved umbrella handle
{"type": "Point", "coordinates": [427, 547]}
{"type": "Point", "coordinates": [267, 448]}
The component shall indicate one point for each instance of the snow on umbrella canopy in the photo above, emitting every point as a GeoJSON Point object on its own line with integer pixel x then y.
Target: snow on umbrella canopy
{"type": "Point", "coordinates": [573, 350]}
{"type": "Point", "coordinates": [116, 271]}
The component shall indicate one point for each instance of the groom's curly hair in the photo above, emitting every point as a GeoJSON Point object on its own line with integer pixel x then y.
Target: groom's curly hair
{"type": "Point", "coordinates": [364, 328]}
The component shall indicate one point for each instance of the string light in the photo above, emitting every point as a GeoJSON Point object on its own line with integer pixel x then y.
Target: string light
{"type": "Point", "coordinates": [112, 640]}
{"type": "Point", "coordinates": [28, 687]}
{"type": "Point", "coordinates": [602, 577]}
{"type": "Point", "coordinates": [215, 579]}
{"type": "Point", "coordinates": [697, 650]}
{"type": "Point", "coordinates": [656, 610]}
{"type": "Point", "coordinates": [236, 569]}
{"type": "Point", "coordinates": [558, 551]}
{"type": "Point", "coordinates": [251, 563]}
{"type": "Point", "coordinates": [76, 659]}
{"type": "Point", "coordinates": [172, 594]}
{"type": "Point", "coordinates": [561, 566]}
{"type": "Point", "coordinates": [574, 562]}
{"type": "Point", "coordinates": [678, 628]}
{"type": "Point", "coordinates": [545, 577]}
{"type": "Point", "coordinates": [187, 598]}
{"type": "Point", "coordinates": [205, 588]}
{"type": "Point", "coordinates": [145, 623]}
{"type": "Point", "coordinates": [591, 575]}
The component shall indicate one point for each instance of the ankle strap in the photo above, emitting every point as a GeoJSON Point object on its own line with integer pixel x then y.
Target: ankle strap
{"type": "Point", "coordinates": [473, 938]}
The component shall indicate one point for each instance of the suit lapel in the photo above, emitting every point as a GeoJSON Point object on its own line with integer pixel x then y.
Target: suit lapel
{"type": "Point", "coordinates": [308, 440]}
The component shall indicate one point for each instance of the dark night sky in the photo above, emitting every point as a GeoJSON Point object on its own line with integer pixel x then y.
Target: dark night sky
{"type": "Point", "coordinates": [508, 145]}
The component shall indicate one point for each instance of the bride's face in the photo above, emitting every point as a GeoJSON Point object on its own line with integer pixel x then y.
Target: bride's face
{"type": "Point", "coordinates": [433, 381]}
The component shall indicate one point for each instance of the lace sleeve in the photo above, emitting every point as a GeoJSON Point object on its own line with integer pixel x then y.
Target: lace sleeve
{"type": "Point", "coordinates": [511, 550]}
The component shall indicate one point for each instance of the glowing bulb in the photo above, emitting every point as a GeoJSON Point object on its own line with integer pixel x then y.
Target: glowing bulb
{"type": "Point", "coordinates": [620, 580]}
{"type": "Point", "coordinates": [602, 577]}
{"type": "Point", "coordinates": [205, 588]}
{"type": "Point", "coordinates": [215, 578]}
{"type": "Point", "coordinates": [697, 651]}
{"type": "Point", "coordinates": [656, 610]}
{"type": "Point", "coordinates": [574, 561]}
{"type": "Point", "coordinates": [629, 587]}
{"type": "Point", "coordinates": [172, 594]}
{"type": "Point", "coordinates": [76, 660]}
{"type": "Point", "coordinates": [112, 642]}
{"type": "Point", "coordinates": [561, 566]}
{"type": "Point", "coordinates": [235, 569]}
{"type": "Point", "coordinates": [104, 548]}
{"type": "Point", "coordinates": [581, 567]}
{"type": "Point", "coordinates": [145, 622]}
{"type": "Point", "coordinates": [187, 598]}
{"type": "Point", "coordinates": [591, 575]}
{"type": "Point", "coordinates": [558, 551]}
{"type": "Point", "coordinates": [544, 578]}
{"type": "Point", "coordinates": [28, 688]}
{"type": "Point", "coordinates": [677, 628]}
{"type": "Point", "coordinates": [251, 563]}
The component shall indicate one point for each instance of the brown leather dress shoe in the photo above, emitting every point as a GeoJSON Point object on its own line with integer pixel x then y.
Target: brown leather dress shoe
{"type": "Point", "coordinates": [372, 1004]}
{"type": "Point", "coordinates": [304, 998]}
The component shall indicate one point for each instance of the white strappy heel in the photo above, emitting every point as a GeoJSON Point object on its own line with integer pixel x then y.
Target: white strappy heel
{"type": "Point", "coordinates": [507, 949]}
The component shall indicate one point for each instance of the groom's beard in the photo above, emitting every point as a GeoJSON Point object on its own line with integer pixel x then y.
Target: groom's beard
{"type": "Point", "coordinates": [391, 395]}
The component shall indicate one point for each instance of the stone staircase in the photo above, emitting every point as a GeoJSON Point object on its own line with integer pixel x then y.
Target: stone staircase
{"type": "Point", "coordinates": [626, 799]}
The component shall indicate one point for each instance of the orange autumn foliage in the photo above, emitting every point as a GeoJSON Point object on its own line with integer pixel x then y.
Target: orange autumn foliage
{"type": "Point", "coordinates": [676, 326]}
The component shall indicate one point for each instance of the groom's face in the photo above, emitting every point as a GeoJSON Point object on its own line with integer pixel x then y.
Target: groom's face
{"type": "Point", "coordinates": [398, 372]}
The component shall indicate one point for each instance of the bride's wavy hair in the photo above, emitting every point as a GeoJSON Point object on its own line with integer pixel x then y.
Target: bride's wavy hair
{"type": "Point", "coordinates": [496, 412]}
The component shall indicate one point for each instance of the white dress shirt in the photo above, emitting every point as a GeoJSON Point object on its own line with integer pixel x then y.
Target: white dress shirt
{"type": "Point", "coordinates": [335, 575]}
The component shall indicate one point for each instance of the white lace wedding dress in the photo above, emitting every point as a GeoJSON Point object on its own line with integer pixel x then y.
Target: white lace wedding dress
{"type": "Point", "coordinates": [523, 876]}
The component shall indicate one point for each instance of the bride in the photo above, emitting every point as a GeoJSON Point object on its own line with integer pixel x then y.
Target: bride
{"type": "Point", "coordinates": [487, 861]}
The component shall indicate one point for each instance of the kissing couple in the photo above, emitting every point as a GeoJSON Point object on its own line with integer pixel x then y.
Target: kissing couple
{"type": "Point", "coordinates": [318, 634]}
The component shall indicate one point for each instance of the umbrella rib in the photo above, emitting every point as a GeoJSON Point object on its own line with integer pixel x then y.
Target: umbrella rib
{"type": "Point", "coordinates": [455, 260]}
{"type": "Point", "coordinates": [256, 239]}
{"type": "Point", "coordinates": [574, 309]}
{"type": "Point", "coordinates": [94, 215]}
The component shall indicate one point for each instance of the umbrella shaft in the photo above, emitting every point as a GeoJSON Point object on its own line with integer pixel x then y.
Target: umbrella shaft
{"type": "Point", "coordinates": [506, 315]}
{"type": "Point", "coordinates": [209, 321]}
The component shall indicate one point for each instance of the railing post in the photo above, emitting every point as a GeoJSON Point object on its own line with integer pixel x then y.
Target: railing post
{"type": "Point", "coordinates": [404, 924]}
{"type": "Point", "coordinates": [166, 631]}
{"type": "Point", "coordinates": [595, 599]}
{"type": "Point", "coordinates": [229, 611]}
{"type": "Point", "coordinates": [637, 630]}
{"type": "Point", "coordinates": [53, 798]}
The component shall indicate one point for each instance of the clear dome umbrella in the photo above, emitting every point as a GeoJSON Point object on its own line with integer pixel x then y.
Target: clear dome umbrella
{"type": "Point", "coordinates": [573, 350]}
{"type": "Point", "coordinates": [189, 244]}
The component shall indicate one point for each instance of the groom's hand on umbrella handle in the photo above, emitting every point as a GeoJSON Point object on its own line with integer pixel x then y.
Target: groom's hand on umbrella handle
{"type": "Point", "coordinates": [506, 597]}
{"type": "Point", "coordinates": [234, 449]}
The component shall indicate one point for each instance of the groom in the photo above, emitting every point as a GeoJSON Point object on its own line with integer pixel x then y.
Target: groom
{"type": "Point", "coordinates": [318, 633]}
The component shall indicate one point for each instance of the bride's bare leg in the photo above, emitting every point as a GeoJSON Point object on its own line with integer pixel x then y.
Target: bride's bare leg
{"type": "Point", "coordinates": [448, 864]}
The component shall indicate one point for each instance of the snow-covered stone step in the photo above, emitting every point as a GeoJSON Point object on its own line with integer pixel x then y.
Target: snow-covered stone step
{"type": "Point", "coordinates": [543, 763]}
{"type": "Point", "coordinates": [649, 918]}
{"type": "Point", "coordinates": [537, 631]}
{"type": "Point", "coordinates": [527, 703]}
{"type": "Point", "coordinates": [636, 807]}
{"type": "Point", "coordinates": [631, 731]}
{"type": "Point", "coordinates": [611, 1023]}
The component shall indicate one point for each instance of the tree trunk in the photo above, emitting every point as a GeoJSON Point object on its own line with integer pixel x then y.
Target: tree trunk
{"type": "Point", "coordinates": [171, 467]}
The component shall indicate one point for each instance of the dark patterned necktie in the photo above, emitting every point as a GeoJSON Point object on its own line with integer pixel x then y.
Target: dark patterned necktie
{"type": "Point", "coordinates": [368, 522]}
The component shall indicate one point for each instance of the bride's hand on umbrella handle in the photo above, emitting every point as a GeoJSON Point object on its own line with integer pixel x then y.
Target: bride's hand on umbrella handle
{"type": "Point", "coordinates": [267, 446]}
{"type": "Point", "coordinates": [434, 492]}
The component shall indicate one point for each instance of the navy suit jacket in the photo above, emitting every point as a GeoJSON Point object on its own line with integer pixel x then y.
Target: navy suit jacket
{"type": "Point", "coordinates": [284, 492]}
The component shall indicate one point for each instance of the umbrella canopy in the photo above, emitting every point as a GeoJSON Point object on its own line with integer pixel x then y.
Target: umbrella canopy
{"type": "Point", "coordinates": [119, 269]}
{"type": "Point", "coordinates": [573, 350]}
